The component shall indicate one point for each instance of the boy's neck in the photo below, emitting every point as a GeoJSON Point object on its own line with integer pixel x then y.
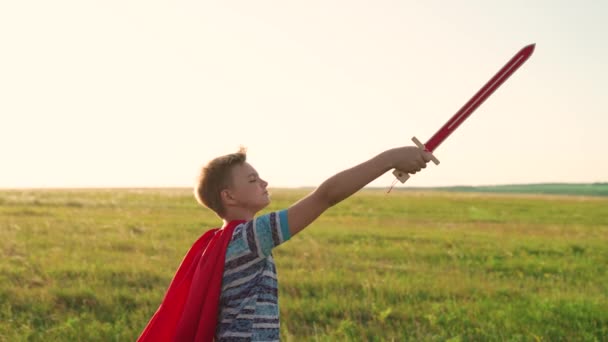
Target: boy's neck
{"type": "Point", "coordinates": [237, 214]}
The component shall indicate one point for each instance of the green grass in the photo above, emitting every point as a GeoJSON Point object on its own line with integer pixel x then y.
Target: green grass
{"type": "Point", "coordinates": [93, 265]}
{"type": "Point", "coordinates": [577, 189]}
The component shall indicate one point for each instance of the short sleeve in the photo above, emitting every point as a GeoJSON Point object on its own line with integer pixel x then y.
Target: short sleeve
{"type": "Point", "coordinates": [268, 231]}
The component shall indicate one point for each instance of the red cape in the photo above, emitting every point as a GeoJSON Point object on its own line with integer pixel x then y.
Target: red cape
{"type": "Point", "coordinates": [189, 310]}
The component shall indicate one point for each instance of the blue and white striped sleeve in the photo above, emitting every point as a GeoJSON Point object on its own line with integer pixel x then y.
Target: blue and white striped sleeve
{"type": "Point", "coordinates": [270, 230]}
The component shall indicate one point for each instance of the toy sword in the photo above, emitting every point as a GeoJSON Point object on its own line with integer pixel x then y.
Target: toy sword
{"type": "Point", "coordinates": [469, 107]}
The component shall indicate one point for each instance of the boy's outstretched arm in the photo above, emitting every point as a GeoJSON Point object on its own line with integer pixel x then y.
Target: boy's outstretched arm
{"type": "Point", "coordinates": [409, 159]}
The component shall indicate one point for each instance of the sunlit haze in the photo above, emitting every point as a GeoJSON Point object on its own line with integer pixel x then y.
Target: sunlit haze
{"type": "Point", "coordinates": [143, 93]}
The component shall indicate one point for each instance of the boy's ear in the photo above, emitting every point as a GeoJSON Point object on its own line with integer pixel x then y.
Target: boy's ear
{"type": "Point", "coordinates": [227, 197]}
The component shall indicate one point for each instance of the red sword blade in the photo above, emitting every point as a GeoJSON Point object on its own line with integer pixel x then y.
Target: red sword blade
{"type": "Point", "coordinates": [479, 97]}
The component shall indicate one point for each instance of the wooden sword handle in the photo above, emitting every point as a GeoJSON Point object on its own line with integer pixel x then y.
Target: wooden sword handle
{"type": "Point", "coordinates": [403, 176]}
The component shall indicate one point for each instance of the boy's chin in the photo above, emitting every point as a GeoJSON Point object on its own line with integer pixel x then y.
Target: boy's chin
{"type": "Point", "coordinates": [260, 205]}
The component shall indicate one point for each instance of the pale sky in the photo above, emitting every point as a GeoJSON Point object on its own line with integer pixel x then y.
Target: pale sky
{"type": "Point", "coordinates": [143, 93]}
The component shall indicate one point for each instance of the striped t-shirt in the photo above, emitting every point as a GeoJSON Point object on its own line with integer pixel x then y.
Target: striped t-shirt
{"type": "Point", "coordinates": [249, 309]}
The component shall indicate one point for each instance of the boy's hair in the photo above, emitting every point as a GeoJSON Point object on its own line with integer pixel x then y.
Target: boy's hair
{"type": "Point", "coordinates": [215, 177]}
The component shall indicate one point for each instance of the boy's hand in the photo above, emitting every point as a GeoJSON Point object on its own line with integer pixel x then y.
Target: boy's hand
{"type": "Point", "coordinates": [410, 159]}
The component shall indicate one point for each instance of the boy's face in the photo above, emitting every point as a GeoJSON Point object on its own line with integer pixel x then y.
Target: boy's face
{"type": "Point", "coordinates": [248, 190]}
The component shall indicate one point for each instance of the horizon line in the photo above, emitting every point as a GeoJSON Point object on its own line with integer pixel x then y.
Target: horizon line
{"type": "Point", "coordinates": [300, 187]}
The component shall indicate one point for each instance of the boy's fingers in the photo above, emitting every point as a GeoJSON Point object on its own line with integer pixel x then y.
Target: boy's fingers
{"type": "Point", "coordinates": [426, 156]}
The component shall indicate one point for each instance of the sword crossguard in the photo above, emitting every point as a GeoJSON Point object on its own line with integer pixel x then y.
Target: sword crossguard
{"type": "Point", "coordinates": [403, 176]}
{"type": "Point", "coordinates": [422, 147]}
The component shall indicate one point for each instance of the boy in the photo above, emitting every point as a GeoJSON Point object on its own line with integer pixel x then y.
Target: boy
{"type": "Point", "coordinates": [248, 301]}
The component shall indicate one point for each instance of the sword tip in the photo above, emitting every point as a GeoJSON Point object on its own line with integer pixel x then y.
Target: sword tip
{"type": "Point", "coordinates": [528, 49]}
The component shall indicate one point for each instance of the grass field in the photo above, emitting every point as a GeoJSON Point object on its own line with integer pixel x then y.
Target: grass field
{"type": "Point", "coordinates": [93, 265]}
{"type": "Point", "coordinates": [588, 189]}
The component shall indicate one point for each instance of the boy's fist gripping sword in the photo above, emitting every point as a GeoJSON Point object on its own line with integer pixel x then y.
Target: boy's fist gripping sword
{"type": "Point", "coordinates": [470, 106]}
